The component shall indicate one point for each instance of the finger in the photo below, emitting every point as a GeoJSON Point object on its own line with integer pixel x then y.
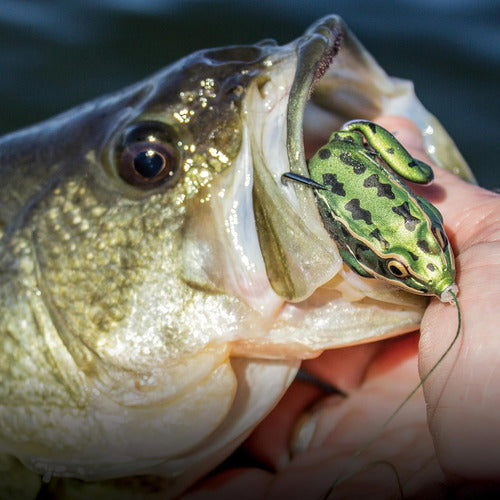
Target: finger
{"type": "Point", "coordinates": [269, 443]}
{"type": "Point", "coordinates": [273, 439]}
{"type": "Point", "coordinates": [343, 368]}
{"type": "Point", "coordinates": [361, 413]}
{"type": "Point", "coordinates": [470, 213]}
{"type": "Point", "coordinates": [463, 395]}
{"type": "Point", "coordinates": [336, 431]}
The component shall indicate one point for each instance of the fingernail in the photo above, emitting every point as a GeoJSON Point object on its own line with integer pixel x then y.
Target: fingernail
{"type": "Point", "coordinates": [303, 433]}
{"type": "Point", "coordinates": [306, 429]}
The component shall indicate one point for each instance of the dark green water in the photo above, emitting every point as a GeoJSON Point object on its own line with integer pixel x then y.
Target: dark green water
{"type": "Point", "coordinates": [57, 53]}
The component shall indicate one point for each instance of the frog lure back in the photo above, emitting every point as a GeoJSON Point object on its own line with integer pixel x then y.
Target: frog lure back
{"type": "Point", "coordinates": [382, 229]}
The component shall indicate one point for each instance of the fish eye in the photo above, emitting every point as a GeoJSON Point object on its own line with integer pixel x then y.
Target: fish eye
{"type": "Point", "coordinates": [397, 269]}
{"type": "Point", "coordinates": [440, 237]}
{"type": "Point", "coordinates": [146, 157]}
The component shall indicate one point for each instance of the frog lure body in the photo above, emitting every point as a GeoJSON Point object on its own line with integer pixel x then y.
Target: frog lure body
{"type": "Point", "coordinates": [383, 229]}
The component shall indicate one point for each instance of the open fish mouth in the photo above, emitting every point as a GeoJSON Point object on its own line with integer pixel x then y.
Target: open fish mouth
{"type": "Point", "coordinates": [302, 284]}
{"type": "Point", "coordinates": [335, 81]}
{"type": "Point", "coordinates": [298, 254]}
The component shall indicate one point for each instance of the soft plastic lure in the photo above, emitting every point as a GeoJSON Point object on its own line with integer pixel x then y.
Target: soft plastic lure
{"type": "Point", "coordinates": [383, 229]}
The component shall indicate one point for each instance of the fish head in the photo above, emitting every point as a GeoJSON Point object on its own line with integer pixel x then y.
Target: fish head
{"type": "Point", "coordinates": [160, 285]}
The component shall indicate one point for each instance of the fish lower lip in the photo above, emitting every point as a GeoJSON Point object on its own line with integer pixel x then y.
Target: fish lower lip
{"type": "Point", "coordinates": [315, 50]}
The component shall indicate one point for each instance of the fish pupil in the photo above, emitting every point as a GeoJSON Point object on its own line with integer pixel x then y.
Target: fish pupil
{"type": "Point", "coordinates": [149, 163]}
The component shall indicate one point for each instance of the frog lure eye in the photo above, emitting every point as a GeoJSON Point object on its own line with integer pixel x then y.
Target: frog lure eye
{"type": "Point", "coordinates": [383, 229]}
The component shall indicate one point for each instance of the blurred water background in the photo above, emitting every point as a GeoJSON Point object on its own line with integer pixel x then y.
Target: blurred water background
{"type": "Point", "coordinates": [57, 53]}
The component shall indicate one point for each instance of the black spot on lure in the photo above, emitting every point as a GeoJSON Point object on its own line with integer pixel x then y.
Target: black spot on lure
{"type": "Point", "coordinates": [383, 229]}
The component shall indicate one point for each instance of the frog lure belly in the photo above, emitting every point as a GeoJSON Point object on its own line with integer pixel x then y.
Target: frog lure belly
{"type": "Point", "coordinates": [383, 229]}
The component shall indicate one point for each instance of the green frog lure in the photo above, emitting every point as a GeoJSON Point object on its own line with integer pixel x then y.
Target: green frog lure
{"type": "Point", "coordinates": [383, 230]}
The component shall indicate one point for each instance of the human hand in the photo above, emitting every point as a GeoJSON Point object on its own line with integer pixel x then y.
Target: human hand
{"type": "Point", "coordinates": [456, 445]}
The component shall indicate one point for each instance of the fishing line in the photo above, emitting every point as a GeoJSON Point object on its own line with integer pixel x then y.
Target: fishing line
{"type": "Point", "coordinates": [340, 478]}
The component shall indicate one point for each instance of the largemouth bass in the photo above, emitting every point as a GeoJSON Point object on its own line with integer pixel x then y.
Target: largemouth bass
{"type": "Point", "coordinates": [159, 284]}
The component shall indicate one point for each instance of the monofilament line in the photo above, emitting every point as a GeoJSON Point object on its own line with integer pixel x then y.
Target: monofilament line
{"type": "Point", "coordinates": [340, 479]}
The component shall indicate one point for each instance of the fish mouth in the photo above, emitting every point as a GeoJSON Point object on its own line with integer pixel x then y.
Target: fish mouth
{"type": "Point", "coordinates": [322, 91]}
{"type": "Point", "coordinates": [299, 254]}
{"type": "Point", "coordinates": [277, 256]}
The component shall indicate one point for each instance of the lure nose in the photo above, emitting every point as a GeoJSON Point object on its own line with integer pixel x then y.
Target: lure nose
{"type": "Point", "coordinates": [448, 292]}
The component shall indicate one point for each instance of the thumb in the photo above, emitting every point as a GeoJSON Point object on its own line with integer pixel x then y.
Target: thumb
{"type": "Point", "coordinates": [470, 213]}
{"type": "Point", "coordinates": [462, 394]}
